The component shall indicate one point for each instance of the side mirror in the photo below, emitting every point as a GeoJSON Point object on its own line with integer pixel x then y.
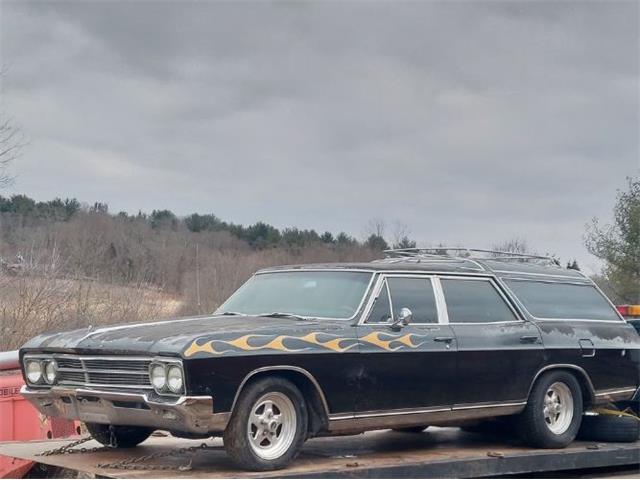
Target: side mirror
{"type": "Point", "coordinates": [404, 318]}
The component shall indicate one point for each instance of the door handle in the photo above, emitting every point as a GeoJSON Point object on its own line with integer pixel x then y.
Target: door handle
{"type": "Point", "coordinates": [443, 339]}
{"type": "Point", "coordinates": [529, 339]}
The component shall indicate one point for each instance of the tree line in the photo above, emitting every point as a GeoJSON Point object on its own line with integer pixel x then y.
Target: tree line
{"type": "Point", "coordinates": [260, 235]}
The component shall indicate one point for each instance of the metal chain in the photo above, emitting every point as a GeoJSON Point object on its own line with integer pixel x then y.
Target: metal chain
{"type": "Point", "coordinates": [69, 448]}
{"type": "Point", "coordinates": [133, 463]}
{"type": "Point", "coordinates": [138, 463]}
{"type": "Point", "coordinates": [66, 449]}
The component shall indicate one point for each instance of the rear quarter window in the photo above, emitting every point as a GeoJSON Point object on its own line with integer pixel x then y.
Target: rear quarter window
{"type": "Point", "coordinates": [562, 300]}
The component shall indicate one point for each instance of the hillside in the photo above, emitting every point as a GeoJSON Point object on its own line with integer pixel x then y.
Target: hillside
{"type": "Point", "coordinates": [65, 265]}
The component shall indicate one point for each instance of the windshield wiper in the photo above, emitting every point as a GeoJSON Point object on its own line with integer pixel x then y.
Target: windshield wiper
{"type": "Point", "coordinates": [284, 315]}
{"type": "Point", "coordinates": [229, 313]}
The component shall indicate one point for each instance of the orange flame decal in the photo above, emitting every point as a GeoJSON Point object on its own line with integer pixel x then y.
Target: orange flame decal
{"type": "Point", "coordinates": [206, 347]}
{"type": "Point", "coordinates": [374, 339]}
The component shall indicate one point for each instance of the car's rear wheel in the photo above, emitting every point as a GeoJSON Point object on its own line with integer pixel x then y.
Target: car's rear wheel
{"type": "Point", "coordinates": [418, 429]}
{"type": "Point", "coordinates": [118, 436]}
{"type": "Point", "coordinates": [268, 425]}
{"type": "Point", "coordinates": [553, 413]}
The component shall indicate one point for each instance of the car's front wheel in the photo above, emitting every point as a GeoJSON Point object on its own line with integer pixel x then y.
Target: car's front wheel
{"type": "Point", "coordinates": [118, 436]}
{"type": "Point", "coordinates": [553, 413]}
{"type": "Point", "coordinates": [268, 425]}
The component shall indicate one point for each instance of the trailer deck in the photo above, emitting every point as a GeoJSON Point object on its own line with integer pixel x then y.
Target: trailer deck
{"type": "Point", "coordinates": [439, 452]}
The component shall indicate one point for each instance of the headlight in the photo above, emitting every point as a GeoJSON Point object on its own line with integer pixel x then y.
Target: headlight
{"type": "Point", "coordinates": [33, 369]}
{"type": "Point", "coordinates": [174, 379]}
{"type": "Point", "coordinates": [158, 376]}
{"type": "Point", "coordinates": [50, 371]}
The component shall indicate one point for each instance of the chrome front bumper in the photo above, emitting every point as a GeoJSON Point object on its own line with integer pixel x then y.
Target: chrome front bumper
{"type": "Point", "coordinates": [182, 414]}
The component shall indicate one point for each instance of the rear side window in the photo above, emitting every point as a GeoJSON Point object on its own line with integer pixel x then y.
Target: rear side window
{"type": "Point", "coordinates": [475, 301]}
{"type": "Point", "coordinates": [562, 300]}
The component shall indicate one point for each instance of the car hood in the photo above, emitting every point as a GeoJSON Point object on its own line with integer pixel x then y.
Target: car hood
{"type": "Point", "coordinates": [171, 337]}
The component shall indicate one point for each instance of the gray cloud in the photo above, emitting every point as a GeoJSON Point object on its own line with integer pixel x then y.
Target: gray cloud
{"type": "Point", "coordinates": [471, 122]}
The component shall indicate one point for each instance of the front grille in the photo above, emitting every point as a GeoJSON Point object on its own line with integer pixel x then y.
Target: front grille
{"type": "Point", "coordinates": [104, 372]}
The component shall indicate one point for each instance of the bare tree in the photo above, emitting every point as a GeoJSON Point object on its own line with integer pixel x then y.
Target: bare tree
{"type": "Point", "coordinates": [375, 226]}
{"type": "Point", "coordinates": [513, 245]}
{"type": "Point", "coordinates": [11, 141]}
{"type": "Point", "coordinates": [400, 230]}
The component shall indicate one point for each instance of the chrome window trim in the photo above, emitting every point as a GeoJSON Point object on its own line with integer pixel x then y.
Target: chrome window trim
{"type": "Point", "coordinates": [341, 319]}
{"type": "Point", "coordinates": [517, 272]}
{"type": "Point", "coordinates": [328, 269]}
{"type": "Point", "coordinates": [518, 317]}
{"type": "Point", "coordinates": [564, 319]}
{"type": "Point", "coordinates": [375, 293]}
{"type": "Point", "coordinates": [382, 282]}
{"type": "Point", "coordinates": [443, 313]}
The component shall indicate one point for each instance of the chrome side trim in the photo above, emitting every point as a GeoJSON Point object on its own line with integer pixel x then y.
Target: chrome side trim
{"type": "Point", "coordinates": [616, 394]}
{"type": "Point", "coordinates": [441, 416]}
{"type": "Point", "coordinates": [600, 393]}
{"type": "Point", "coordinates": [490, 405]}
{"type": "Point", "coordinates": [387, 413]}
{"type": "Point", "coordinates": [291, 368]}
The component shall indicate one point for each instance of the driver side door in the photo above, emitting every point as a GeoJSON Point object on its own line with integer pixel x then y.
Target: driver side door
{"type": "Point", "coordinates": [405, 367]}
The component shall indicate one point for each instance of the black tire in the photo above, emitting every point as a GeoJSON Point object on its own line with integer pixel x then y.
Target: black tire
{"type": "Point", "coordinates": [418, 429]}
{"type": "Point", "coordinates": [609, 428]}
{"type": "Point", "coordinates": [531, 424]}
{"type": "Point", "coordinates": [123, 436]}
{"type": "Point", "coordinates": [236, 436]}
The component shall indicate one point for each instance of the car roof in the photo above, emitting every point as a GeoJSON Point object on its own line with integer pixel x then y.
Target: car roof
{"type": "Point", "coordinates": [504, 269]}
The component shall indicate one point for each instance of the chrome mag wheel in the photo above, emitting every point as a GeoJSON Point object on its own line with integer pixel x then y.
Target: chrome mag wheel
{"type": "Point", "coordinates": [558, 408]}
{"type": "Point", "coordinates": [272, 425]}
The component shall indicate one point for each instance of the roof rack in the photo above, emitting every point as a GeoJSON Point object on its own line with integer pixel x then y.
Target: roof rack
{"type": "Point", "coordinates": [461, 254]}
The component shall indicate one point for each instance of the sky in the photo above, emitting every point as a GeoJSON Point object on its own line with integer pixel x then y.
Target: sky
{"type": "Point", "coordinates": [469, 122]}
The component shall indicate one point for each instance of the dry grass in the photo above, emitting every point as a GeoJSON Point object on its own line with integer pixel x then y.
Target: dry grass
{"type": "Point", "coordinates": [30, 305]}
{"type": "Point", "coordinates": [44, 296]}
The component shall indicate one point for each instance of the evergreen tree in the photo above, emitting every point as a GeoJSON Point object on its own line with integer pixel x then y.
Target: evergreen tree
{"type": "Point", "coordinates": [376, 242]}
{"type": "Point", "coordinates": [618, 244]}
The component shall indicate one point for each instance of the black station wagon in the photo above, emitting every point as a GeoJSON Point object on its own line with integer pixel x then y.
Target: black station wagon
{"type": "Point", "coordinates": [424, 337]}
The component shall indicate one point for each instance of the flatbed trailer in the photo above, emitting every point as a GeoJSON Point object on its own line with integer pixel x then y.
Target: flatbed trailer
{"type": "Point", "coordinates": [439, 453]}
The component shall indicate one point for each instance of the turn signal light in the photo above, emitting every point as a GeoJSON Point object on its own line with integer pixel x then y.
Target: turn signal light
{"type": "Point", "coordinates": [629, 310]}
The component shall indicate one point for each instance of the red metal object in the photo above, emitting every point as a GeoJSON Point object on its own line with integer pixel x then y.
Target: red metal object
{"type": "Point", "coordinates": [629, 311]}
{"type": "Point", "coordinates": [21, 422]}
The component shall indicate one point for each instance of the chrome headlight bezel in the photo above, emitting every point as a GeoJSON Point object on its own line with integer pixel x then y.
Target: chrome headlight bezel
{"type": "Point", "coordinates": [163, 366]}
{"type": "Point", "coordinates": [46, 365]}
{"type": "Point", "coordinates": [39, 380]}
{"type": "Point", "coordinates": [158, 370]}
{"type": "Point", "coordinates": [176, 370]}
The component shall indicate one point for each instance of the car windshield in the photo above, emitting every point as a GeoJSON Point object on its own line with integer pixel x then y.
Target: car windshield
{"type": "Point", "coordinates": [324, 294]}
